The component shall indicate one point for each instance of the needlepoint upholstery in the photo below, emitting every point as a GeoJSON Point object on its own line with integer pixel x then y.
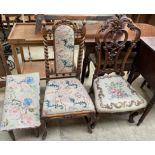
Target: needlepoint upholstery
{"type": "Point", "coordinates": [64, 49]}
{"type": "Point", "coordinates": [64, 96]}
{"type": "Point", "coordinates": [114, 94]}
{"type": "Point", "coordinates": [21, 107]}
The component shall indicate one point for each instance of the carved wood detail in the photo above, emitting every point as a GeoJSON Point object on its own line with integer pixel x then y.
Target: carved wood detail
{"type": "Point", "coordinates": [111, 39]}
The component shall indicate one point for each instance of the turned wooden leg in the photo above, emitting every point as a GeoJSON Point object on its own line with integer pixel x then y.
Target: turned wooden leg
{"type": "Point", "coordinates": [44, 130]}
{"type": "Point", "coordinates": [132, 115]}
{"type": "Point", "coordinates": [91, 121]}
{"type": "Point", "coordinates": [12, 135]}
{"type": "Point", "coordinates": [96, 118]}
{"type": "Point", "coordinates": [36, 131]}
{"type": "Point", "coordinates": [147, 110]}
{"type": "Point", "coordinates": [88, 121]}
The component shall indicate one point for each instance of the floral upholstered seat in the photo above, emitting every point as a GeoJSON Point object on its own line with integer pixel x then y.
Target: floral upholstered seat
{"type": "Point", "coordinates": [21, 105]}
{"type": "Point", "coordinates": [65, 96]}
{"type": "Point", "coordinates": [115, 94]}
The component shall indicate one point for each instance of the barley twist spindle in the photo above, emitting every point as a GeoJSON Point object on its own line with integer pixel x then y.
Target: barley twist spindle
{"type": "Point", "coordinates": [45, 42]}
{"type": "Point", "coordinates": [81, 48]}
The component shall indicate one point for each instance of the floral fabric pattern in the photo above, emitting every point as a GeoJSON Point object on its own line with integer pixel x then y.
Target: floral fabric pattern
{"type": "Point", "coordinates": [115, 94]}
{"type": "Point", "coordinates": [115, 89]}
{"type": "Point", "coordinates": [64, 96]}
{"type": "Point", "coordinates": [64, 49]}
{"type": "Point", "coordinates": [21, 107]}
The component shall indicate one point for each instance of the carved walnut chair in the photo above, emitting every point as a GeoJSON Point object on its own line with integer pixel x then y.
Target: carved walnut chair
{"type": "Point", "coordinates": [94, 58]}
{"type": "Point", "coordinates": [65, 96]}
{"type": "Point", "coordinates": [113, 94]}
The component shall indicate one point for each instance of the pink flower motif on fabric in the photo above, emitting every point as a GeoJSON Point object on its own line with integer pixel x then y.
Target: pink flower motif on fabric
{"type": "Point", "coordinates": [115, 89]}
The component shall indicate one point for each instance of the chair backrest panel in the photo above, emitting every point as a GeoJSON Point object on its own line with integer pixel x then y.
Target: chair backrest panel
{"type": "Point", "coordinates": [111, 40]}
{"type": "Point", "coordinates": [64, 49]}
{"type": "Point", "coordinates": [66, 35]}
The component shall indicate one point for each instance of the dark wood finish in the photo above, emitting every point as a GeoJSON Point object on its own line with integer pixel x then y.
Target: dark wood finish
{"type": "Point", "coordinates": [146, 30]}
{"type": "Point", "coordinates": [79, 34]}
{"type": "Point", "coordinates": [147, 110]}
{"type": "Point", "coordinates": [129, 29]}
{"type": "Point", "coordinates": [143, 18]}
{"type": "Point", "coordinates": [12, 135]}
{"type": "Point", "coordinates": [36, 131]}
{"type": "Point", "coordinates": [110, 43]}
{"type": "Point", "coordinates": [144, 64]}
{"type": "Point", "coordinates": [112, 37]}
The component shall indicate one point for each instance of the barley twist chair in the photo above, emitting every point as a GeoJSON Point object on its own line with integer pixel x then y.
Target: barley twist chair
{"type": "Point", "coordinates": [113, 94]}
{"type": "Point", "coordinates": [65, 96]}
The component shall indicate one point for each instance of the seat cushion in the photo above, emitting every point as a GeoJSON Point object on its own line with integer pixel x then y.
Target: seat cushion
{"type": "Point", "coordinates": [21, 107]}
{"type": "Point", "coordinates": [114, 94]}
{"type": "Point", "coordinates": [65, 96]}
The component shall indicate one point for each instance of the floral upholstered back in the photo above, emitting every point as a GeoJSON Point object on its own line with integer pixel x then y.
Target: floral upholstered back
{"type": "Point", "coordinates": [64, 49]}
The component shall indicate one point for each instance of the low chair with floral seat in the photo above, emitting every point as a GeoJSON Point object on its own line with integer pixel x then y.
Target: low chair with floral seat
{"type": "Point", "coordinates": [65, 96]}
{"type": "Point", "coordinates": [113, 94]}
{"type": "Point", "coordinates": [21, 109]}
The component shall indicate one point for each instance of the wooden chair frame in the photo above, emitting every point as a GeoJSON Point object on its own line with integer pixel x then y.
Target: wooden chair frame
{"type": "Point", "coordinates": [109, 23]}
{"type": "Point", "coordinates": [79, 40]}
{"type": "Point", "coordinates": [113, 48]}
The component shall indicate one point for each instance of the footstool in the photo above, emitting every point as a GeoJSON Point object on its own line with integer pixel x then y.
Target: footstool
{"type": "Point", "coordinates": [21, 109]}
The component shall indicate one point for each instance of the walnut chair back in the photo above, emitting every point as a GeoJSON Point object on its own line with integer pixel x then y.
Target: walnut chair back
{"type": "Point", "coordinates": [63, 36]}
{"type": "Point", "coordinates": [111, 40]}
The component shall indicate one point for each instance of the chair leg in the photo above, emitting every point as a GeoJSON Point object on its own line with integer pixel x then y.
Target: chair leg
{"type": "Point", "coordinates": [132, 115]}
{"type": "Point", "coordinates": [91, 121]}
{"type": "Point", "coordinates": [93, 125]}
{"type": "Point", "coordinates": [147, 110]}
{"type": "Point", "coordinates": [87, 118]}
{"type": "Point", "coordinates": [44, 130]}
{"type": "Point", "coordinates": [36, 131]}
{"type": "Point", "coordinates": [12, 135]}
